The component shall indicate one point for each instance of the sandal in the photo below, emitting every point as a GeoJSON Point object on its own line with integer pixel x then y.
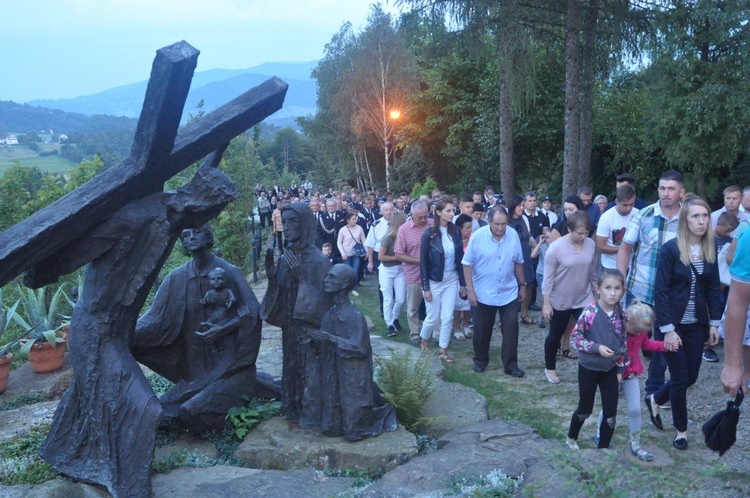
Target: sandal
{"type": "Point", "coordinates": [552, 380]}
{"type": "Point", "coordinates": [567, 353]}
{"type": "Point", "coordinates": [468, 333]}
{"type": "Point", "coordinates": [459, 335]}
{"type": "Point", "coordinates": [426, 346]}
{"type": "Point", "coordinates": [526, 319]}
{"type": "Point", "coordinates": [445, 357]}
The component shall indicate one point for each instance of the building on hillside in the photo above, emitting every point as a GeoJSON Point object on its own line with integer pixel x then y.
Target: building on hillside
{"type": "Point", "coordinates": [11, 140]}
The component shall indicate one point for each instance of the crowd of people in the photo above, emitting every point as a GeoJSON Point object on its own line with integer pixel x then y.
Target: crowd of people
{"type": "Point", "coordinates": [615, 278]}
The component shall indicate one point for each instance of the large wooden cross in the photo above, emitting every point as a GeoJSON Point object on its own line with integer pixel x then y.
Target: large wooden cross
{"type": "Point", "coordinates": [158, 153]}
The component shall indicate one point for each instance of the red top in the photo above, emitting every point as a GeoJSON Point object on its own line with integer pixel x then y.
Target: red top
{"type": "Point", "coordinates": [635, 344]}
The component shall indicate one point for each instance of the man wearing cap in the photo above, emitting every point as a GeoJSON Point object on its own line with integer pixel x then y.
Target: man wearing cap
{"type": "Point", "coordinates": [548, 211]}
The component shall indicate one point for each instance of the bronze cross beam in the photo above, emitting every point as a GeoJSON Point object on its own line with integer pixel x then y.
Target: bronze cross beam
{"type": "Point", "coordinates": [158, 153]}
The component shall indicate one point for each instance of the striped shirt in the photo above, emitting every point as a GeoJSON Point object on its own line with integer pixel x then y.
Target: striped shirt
{"type": "Point", "coordinates": [647, 231]}
{"type": "Point", "coordinates": [689, 315]}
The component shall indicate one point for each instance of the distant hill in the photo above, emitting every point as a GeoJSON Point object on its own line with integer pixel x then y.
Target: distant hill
{"type": "Point", "coordinates": [214, 86]}
{"type": "Point", "coordinates": [24, 117]}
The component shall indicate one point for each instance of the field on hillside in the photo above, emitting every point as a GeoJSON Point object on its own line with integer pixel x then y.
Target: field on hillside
{"type": "Point", "coordinates": [28, 158]}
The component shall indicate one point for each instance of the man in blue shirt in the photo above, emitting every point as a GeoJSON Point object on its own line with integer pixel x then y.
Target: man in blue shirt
{"type": "Point", "coordinates": [493, 268]}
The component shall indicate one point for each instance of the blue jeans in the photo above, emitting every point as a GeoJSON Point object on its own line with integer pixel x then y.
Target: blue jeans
{"type": "Point", "coordinates": [354, 262]}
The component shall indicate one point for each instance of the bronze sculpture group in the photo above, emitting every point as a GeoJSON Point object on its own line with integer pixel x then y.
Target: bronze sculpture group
{"type": "Point", "coordinates": [203, 329]}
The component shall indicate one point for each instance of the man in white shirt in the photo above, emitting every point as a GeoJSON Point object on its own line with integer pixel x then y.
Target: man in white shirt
{"type": "Point", "coordinates": [612, 226]}
{"type": "Point", "coordinates": [745, 201]}
{"type": "Point", "coordinates": [732, 198]}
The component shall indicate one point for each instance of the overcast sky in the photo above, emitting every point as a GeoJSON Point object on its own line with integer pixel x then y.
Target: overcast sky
{"type": "Point", "coordinates": [66, 48]}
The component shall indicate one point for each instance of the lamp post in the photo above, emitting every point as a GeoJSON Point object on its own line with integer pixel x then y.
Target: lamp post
{"type": "Point", "coordinates": [390, 143]}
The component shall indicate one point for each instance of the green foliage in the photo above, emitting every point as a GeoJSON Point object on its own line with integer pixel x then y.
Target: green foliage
{"type": "Point", "coordinates": [426, 443]}
{"type": "Point", "coordinates": [183, 458]}
{"type": "Point", "coordinates": [425, 188]}
{"type": "Point", "coordinates": [20, 462]}
{"type": "Point", "coordinates": [407, 385]}
{"type": "Point", "coordinates": [5, 317]}
{"type": "Point", "coordinates": [362, 478]}
{"type": "Point", "coordinates": [84, 172]}
{"type": "Point", "coordinates": [41, 316]}
{"type": "Point", "coordinates": [244, 418]}
{"type": "Point", "coordinates": [22, 399]}
{"type": "Point", "coordinates": [607, 477]}
{"type": "Point", "coordinates": [493, 485]}
{"type": "Point", "coordinates": [159, 384]}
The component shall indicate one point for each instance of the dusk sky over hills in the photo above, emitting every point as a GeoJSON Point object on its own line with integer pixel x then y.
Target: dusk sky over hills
{"type": "Point", "coordinates": [68, 48]}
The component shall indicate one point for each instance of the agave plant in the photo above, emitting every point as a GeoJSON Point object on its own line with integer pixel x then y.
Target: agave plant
{"type": "Point", "coordinates": [5, 317]}
{"type": "Point", "coordinates": [39, 320]}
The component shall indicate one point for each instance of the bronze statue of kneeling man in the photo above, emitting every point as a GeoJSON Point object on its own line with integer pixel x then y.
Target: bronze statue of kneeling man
{"type": "Point", "coordinates": [340, 396]}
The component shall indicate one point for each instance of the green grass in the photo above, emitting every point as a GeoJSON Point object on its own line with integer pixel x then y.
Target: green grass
{"type": "Point", "coordinates": [28, 158]}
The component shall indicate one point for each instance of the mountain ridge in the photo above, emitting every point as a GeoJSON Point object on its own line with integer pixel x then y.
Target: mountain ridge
{"type": "Point", "coordinates": [214, 86]}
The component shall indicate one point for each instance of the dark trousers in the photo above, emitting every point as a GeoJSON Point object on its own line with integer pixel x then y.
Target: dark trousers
{"type": "Point", "coordinates": [684, 367]}
{"type": "Point", "coordinates": [588, 380]}
{"type": "Point", "coordinates": [265, 217]}
{"type": "Point", "coordinates": [532, 284]}
{"type": "Point", "coordinates": [557, 325]}
{"type": "Point", "coordinates": [484, 321]}
{"type": "Point", "coordinates": [277, 240]}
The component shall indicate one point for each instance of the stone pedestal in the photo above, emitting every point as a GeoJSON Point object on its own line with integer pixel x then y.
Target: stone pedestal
{"type": "Point", "coordinates": [279, 444]}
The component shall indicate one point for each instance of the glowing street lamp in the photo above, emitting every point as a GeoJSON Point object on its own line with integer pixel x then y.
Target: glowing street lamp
{"type": "Point", "coordinates": [395, 114]}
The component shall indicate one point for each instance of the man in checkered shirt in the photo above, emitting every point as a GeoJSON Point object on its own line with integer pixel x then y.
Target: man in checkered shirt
{"type": "Point", "coordinates": [646, 232]}
{"type": "Point", "coordinates": [408, 243]}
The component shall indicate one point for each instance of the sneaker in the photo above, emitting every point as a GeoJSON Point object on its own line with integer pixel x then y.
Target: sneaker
{"type": "Point", "coordinates": [710, 355]}
{"type": "Point", "coordinates": [355, 293]}
{"type": "Point", "coordinates": [398, 326]}
{"type": "Point", "coordinates": [392, 331]}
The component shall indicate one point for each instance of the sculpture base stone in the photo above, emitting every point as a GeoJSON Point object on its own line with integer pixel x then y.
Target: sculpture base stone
{"type": "Point", "coordinates": [280, 444]}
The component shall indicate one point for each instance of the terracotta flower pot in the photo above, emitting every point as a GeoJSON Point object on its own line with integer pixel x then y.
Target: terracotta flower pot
{"type": "Point", "coordinates": [44, 358]}
{"type": "Point", "coordinates": [5, 371]}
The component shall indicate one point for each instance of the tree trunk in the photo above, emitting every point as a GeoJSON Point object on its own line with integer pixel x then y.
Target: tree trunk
{"type": "Point", "coordinates": [587, 92]}
{"type": "Point", "coordinates": [367, 165]}
{"type": "Point", "coordinates": [507, 173]}
{"type": "Point", "coordinates": [572, 100]}
{"type": "Point", "coordinates": [358, 175]}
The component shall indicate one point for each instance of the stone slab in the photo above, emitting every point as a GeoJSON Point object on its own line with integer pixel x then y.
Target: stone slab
{"type": "Point", "coordinates": [17, 422]}
{"type": "Point", "coordinates": [23, 379]}
{"type": "Point", "coordinates": [279, 444]}
{"type": "Point", "coordinates": [224, 481]}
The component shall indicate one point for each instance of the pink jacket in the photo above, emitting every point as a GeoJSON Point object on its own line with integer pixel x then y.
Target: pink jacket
{"type": "Point", "coordinates": [635, 344]}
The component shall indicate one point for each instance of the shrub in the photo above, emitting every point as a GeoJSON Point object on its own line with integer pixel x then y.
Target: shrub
{"type": "Point", "coordinates": [493, 485]}
{"type": "Point", "coordinates": [244, 418]}
{"type": "Point", "coordinates": [19, 461]}
{"type": "Point", "coordinates": [407, 386]}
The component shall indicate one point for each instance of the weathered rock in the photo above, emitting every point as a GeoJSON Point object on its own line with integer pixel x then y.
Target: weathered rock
{"type": "Point", "coordinates": [23, 379]}
{"type": "Point", "coordinates": [187, 442]}
{"type": "Point", "coordinates": [17, 422]}
{"type": "Point", "coordinates": [56, 488]}
{"type": "Point", "coordinates": [279, 444]}
{"type": "Point", "coordinates": [222, 481]}
{"type": "Point", "coordinates": [510, 446]}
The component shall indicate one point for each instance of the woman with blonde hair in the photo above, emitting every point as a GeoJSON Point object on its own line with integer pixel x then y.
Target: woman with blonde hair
{"type": "Point", "coordinates": [687, 300]}
{"type": "Point", "coordinates": [391, 276]}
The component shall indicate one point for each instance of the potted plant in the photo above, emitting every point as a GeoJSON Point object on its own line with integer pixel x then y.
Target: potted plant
{"type": "Point", "coordinates": [5, 355]}
{"type": "Point", "coordinates": [42, 338]}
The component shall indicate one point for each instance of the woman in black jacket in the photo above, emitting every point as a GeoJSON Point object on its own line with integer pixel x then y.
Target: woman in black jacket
{"type": "Point", "coordinates": [442, 275]}
{"type": "Point", "coordinates": [688, 309]}
{"type": "Point", "coordinates": [516, 220]}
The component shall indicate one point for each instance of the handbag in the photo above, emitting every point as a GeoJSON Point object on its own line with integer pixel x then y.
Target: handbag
{"type": "Point", "coordinates": [358, 249]}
